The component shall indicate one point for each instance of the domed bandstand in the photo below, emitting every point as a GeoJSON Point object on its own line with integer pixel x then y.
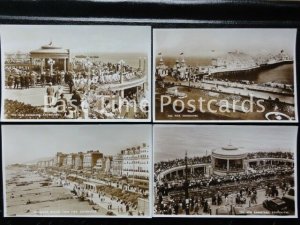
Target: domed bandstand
{"type": "Point", "coordinates": [48, 56]}
{"type": "Point", "coordinates": [228, 160]}
{"type": "Point", "coordinates": [57, 58]}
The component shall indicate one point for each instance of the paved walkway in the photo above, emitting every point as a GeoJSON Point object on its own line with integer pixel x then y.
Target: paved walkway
{"type": "Point", "coordinates": [242, 92]}
{"type": "Point", "coordinates": [33, 96]}
{"type": "Point", "coordinates": [104, 201]}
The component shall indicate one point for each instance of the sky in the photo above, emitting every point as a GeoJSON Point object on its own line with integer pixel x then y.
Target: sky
{"type": "Point", "coordinates": [79, 39]}
{"type": "Point", "coordinates": [21, 144]}
{"type": "Point", "coordinates": [201, 42]}
{"type": "Point", "coordinates": [171, 142]}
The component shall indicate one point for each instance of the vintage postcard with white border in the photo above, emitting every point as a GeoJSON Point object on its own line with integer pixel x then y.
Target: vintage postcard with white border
{"type": "Point", "coordinates": [225, 171]}
{"type": "Point", "coordinates": [233, 75]}
{"type": "Point", "coordinates": [77, 170]}
{"type": "Point", "coordinates": [76, 73]}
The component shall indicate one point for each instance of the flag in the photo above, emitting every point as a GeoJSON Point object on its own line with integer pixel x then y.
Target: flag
{"type": "Point", "coordinates": [181, 53]}
{"type": "Point", "coordinates": [213, 50]}
{"type": "Point", "coordinates": [159, 53]}
{"type": "Point", "coordinates": [281, 51]}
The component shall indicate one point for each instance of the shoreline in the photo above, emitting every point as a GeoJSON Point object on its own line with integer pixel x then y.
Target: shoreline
{"type": "Point", "coordinates": [26, 195]}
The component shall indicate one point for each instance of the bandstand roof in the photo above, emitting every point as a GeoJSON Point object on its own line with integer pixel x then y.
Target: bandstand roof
{"type": "Point", "coordinates": [50, 49]}
{"type": "Point", "coordinates": [229, 151]}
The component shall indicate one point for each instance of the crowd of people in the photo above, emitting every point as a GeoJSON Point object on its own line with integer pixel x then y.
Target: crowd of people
{"type": "Point", "coordinates": [165, 165]}
{"type": "Point", "coordinates": [177, 183]}
{"type": "Point", "coordinates": [21, 79]}
{"type": "Point", "coordinates": [98, 197]}
{"type": "Point", "coordinates": [216, 190]}
{"type": "Point", "coordinates": [106, 73]}
{"type": "Point", "coordinates": [122, 206]}
{"type": "Point", "coordinates": [92, 94]}
{"type": "Point", "coordinates": [92, 104]}
{"type": "Point", "coordinates": [279, 154]}
{"type": "Point", "coordinates": [199, 204]}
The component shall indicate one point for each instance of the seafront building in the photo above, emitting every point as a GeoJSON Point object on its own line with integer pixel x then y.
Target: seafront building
{"type": "Point", "coordinates": [118, 183]}
{"type": "Point", "coordinates": [60, 158]}
{"type": "Point", "coordinates": [103, 165]}
{"type": "Point", "coordinates": [78, 163]}
{"type": "Point", "coordinates": [90, 159]}
{"type": "Point", "coordinates": [117, 165]}
{"type": "Point", "coordinates": [135, 162]}
{"type": "Point", "coordinates": [131, 163]}
{"type": "Point", "coordinates": [71, 160]}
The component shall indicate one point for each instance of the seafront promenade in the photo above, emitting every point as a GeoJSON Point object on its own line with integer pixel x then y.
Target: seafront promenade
{"type": "Point", "coordinates": [35, 193]}
{"type": "Point", "coordinates": [243, 90]}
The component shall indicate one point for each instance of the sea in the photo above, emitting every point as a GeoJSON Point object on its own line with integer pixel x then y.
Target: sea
{"type": "Point", "coordinates": [280, 74]}
{"type": "Point", "coordinates": [131, 59]}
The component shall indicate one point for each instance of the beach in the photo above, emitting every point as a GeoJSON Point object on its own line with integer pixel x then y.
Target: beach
{"type": "Point", "coordinates": [44, 200]}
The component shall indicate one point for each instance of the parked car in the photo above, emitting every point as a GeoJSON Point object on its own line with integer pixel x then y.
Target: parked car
{"type": "Point", "coordinates": [275, 205]}
{"type": "Point", "coordinates": [289, 199]}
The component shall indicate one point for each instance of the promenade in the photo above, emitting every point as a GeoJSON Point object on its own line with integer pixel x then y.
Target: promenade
{"type": "Point", "coordinates": [31, 193]}
{"type": "Point", "coordinates": [245, 92]}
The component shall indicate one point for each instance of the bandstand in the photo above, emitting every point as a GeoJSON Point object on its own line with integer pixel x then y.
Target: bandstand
{"type": "Point", "coordinates": [50, 56]}
{"type": "Point", "coordinates": [228, 160]}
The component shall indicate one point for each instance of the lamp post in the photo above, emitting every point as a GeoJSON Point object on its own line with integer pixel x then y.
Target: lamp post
{"type": "Point", "coordinates": [122, 63]}
{"type": "Point", "coordinates": [42, 65]}
{"type": "Point", "coordinates": [186, 187]}
{"type": "Point", "coordinates": [88, 64]}
{"type": "Point", "coordinates": [51, 62]}
{"type": "Point", "coordinates": [189, 71]}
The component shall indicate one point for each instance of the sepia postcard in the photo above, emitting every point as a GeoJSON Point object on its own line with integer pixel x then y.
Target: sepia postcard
{"type": "Point", "coordinates": [224, 75]}
{"type": "Point", "coordinates": [77, 171]}
{"type": "Point", "coordinates": [225, 171]}
{"type": "Point", "coordinates": [76, 73]}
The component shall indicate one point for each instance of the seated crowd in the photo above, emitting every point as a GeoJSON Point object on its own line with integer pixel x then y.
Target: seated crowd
{"type": "Point", "coordinates": [165, 165]}
{"type": "Point", "coordinates": [239, 190]}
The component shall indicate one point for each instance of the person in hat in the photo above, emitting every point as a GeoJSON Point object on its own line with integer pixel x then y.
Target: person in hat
{"type": "Point", "coordinates": [33, 79]}
{"type": "Point", "coordinates": [85, 108]}
{"type": "Point", "coordinates": [27, 80]}
{"type": "Point", "coordinates": [76, 99]}
{"type": "Point", "coordinates": [76, 103]}
{"type": "Point", "coordinates": [61, 105]}
{"type": "Point", "coordinates": [10, 81]}
{"type": "Point", "coordinates": [17, 81]}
